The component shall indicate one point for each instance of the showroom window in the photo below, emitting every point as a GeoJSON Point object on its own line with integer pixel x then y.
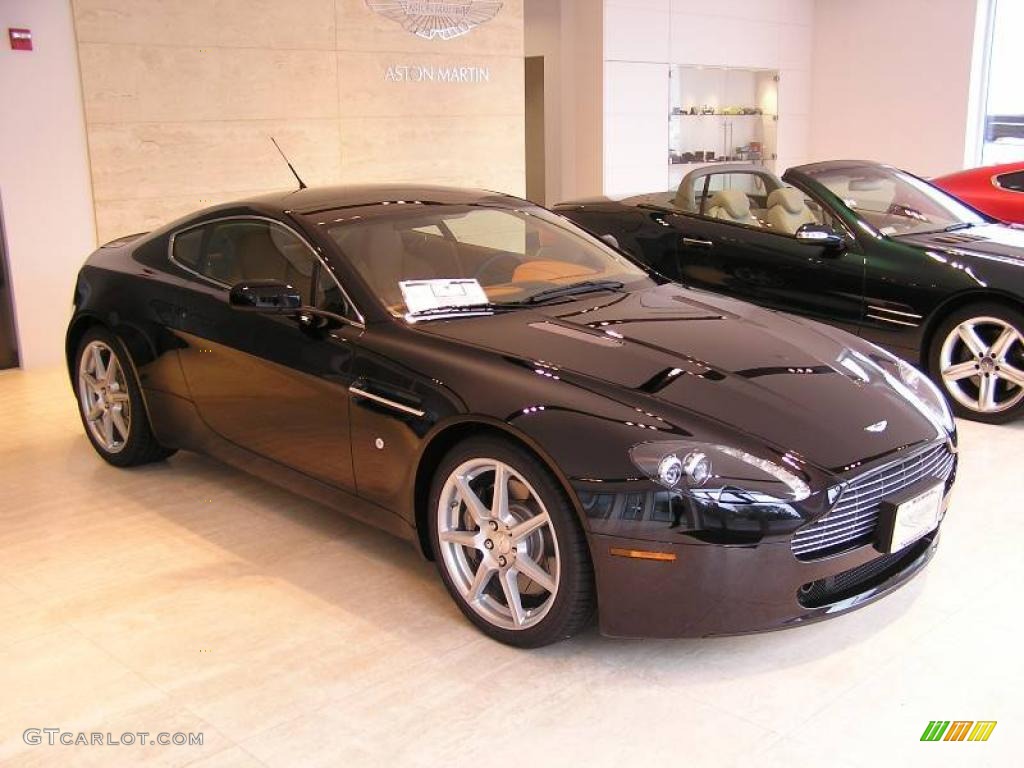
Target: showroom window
{"type": "Point", "coordinates": [1003, 122]}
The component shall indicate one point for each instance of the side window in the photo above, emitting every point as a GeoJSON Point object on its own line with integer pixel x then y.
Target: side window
{"type": "Point", "coordinates": [238, 250]}
{"type": "Point", "coordinates": [188, 247]}
{"type": "Point", "coordinates": [1012, 181]}
{"type": "Point", "coordinates": [329, 296]}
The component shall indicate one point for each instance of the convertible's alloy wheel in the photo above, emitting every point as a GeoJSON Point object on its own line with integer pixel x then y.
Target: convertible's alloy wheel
{"type": "Point", "coordinates": [498, 543]}
{"type": "Point", "coordinates": [982, 365]}
{"type": "Point", "coordinates": [103, 396]}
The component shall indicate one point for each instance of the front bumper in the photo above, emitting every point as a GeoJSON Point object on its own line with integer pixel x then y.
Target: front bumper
{"type": "Point", "coordinates": [713, 589]}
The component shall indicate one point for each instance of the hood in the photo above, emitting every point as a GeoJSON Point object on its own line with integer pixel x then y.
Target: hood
{"type": "Point", "coordinates": [793, 384]}
{"type": "Point", "coordinates": [988, 241]}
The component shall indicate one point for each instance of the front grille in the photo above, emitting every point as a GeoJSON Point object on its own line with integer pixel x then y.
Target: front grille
{"type": "Point", "coordinates": [852, 521]}
{"type": "Point", "coordinates": [855, 581]}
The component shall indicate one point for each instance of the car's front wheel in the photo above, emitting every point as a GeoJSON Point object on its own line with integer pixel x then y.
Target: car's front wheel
{"type": "Point", "coordinates": [508, 545]}
{"type": "Point", "coordinates": [977, 356]}
{"type": "Point", "coordinates": [110, 403]}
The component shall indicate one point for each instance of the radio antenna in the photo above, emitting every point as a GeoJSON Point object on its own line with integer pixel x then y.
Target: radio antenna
{"type": "Point", "coordinates": [302, 184]}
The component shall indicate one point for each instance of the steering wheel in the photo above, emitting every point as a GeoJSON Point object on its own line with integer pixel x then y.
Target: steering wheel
{"type": "Point", "coordinates": [492, 263]}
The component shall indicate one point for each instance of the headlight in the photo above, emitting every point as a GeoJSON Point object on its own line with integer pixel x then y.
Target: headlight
{"type": "Point", "coordinates": [923, 391]}
{"type": "Point", "coordinates": [707, 471]}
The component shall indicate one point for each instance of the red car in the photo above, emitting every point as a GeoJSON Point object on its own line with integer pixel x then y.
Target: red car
{"type": "Point", "coordinates": [997, 190]}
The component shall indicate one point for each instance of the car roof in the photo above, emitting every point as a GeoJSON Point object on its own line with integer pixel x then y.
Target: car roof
{"type": "Point", "coordinates": [984, 171]}
{"type": "Point", "coordinates": [313, 199]}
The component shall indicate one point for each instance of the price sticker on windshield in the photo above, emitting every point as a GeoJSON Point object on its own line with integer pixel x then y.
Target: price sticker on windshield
{"type": "Point", "coordinates": [423, 295]}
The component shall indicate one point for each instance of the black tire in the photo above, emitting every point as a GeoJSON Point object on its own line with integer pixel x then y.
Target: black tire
{"type": "Point", "coordinates": [1015, 357]}
{"type": "Point", "coordinates": [574, 602]}
{"type": "Point", "coordinates": [141, 446]}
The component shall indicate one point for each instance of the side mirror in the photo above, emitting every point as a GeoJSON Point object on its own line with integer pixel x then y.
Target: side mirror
{"type": "Point", "coordinates": [612, 241]}
{"type": "Point", "coordinates": [819, 234]}
{"type": "Point", "coordinates": [266, 296]}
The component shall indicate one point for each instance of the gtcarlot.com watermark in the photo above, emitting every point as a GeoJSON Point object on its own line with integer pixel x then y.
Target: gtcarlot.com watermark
{"type": "Point", "coordinates": [55, 736]}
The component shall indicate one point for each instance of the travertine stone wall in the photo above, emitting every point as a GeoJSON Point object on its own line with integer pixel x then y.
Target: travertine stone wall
{"type": "Point", "coordinates": [181, 95]}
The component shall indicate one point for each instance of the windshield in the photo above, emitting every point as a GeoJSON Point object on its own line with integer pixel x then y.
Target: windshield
{"type": "Point", "coordinates": [422, 259]}
{"type": "Point", "coordinates": [893, 202]}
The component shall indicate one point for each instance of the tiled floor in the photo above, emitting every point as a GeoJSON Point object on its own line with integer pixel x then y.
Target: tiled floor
{"type": "Point", "coordinates": [189, 597]}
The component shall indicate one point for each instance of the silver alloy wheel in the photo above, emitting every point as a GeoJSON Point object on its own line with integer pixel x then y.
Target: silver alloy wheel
{"type": "Point", "coordinates": [103, 396]}
{"type": "Point", "coordinates": [498, 543]}
{"type": "Point", "coordinates": [977, 365]}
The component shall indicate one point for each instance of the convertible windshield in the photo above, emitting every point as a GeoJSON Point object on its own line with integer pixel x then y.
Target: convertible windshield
{"type": "Point", "coordinates": [893, 202]}
{"type": "Point", "coordinates": [425, 260]}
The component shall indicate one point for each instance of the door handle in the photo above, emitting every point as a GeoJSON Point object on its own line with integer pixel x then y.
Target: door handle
{"type": "Point", "coordinates": [695, 242]}
{"type": "Point", "coordinates": [358, 390]}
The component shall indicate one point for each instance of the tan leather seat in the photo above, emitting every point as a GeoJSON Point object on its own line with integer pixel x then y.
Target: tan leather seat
{"type": "Point", "coordinates": [548, 271]}
{"type": "Point", "coordinates": [788, 211]}
{"type": "Point", "coordinates": [550, 264]}
{"type": "Point", "coordinates": [731, 205]}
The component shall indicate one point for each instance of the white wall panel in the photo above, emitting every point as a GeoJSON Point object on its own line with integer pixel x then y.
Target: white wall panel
{"type": "Point", "coordinates": [794, 92]}
{"type": "Point", "coordinates": [796, 46]}
{"type": "Point", "coordinates": [796, 12]}
{"type": "Point", "coordinates": [651, 5]}
{"type": "Point", "coordinates": [635, 33]}
{"type": "Point", "coordinates": [895, 91]}
{"type": "Point", "coordinates": [793, 142]}
{"type": "Point", "coordinates": [44, 175]}
{"type": "Point", "coordinates": [635, 127]}
{"type": "Point", "coordinates": [736, 10]}
{"type": "Point", "coordinates": [632, 88]}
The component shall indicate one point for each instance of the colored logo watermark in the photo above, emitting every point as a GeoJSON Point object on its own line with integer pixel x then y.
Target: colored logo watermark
{"type": "Point", "coordinates": [958, 730]}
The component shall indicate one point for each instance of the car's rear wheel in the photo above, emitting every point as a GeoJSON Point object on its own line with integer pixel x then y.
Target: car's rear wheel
{"type": "Point", "coordinates": [977, 357]}
{"type": "Point", "coordinates": [508, 545]}
{"type": "Point", "coordinates": [110, 403]}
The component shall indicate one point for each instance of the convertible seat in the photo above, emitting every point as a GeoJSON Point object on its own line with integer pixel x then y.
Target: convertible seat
{"type": "Point", "coordinates": [788, 211]}
{"type": "Point", "coordinates": [732, 205]}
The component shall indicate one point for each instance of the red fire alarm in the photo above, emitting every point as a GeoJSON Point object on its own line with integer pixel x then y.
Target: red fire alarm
{"type": "Point", "coordinates": [21, 39]}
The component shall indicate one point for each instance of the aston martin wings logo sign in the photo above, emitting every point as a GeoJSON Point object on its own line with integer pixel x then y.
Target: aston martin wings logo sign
{"type": "Point", "coordinates": [444, 19]}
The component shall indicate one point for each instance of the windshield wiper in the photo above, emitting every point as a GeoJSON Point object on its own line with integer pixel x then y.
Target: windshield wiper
{"type": "Point", "coordinates": [950, 228]}
{"type": "Point", "coordinates": [561, 291]}
{"type": "Point", "coordinates": [461, 309]}
{"type": "Point", "coordinates": [574, 289]}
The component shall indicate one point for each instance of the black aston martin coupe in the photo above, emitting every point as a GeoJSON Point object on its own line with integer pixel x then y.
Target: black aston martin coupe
{"type": "Point", "coordinates": [860, 245]}
{"type": "Point", "coordinates": [562, 431]}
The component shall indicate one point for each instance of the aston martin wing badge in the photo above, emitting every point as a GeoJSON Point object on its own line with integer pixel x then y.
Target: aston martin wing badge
{"type": "Point", "coordinates": [444, 19]}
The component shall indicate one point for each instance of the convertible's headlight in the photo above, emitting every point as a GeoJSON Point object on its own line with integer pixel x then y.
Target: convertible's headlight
{"type": "Point", "coordinates": [923, 391]}
{"type": "Point", "coordinates": [708, 470]}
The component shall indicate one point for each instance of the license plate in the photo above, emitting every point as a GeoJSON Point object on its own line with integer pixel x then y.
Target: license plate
{"type": "Point", "coordinates": [916, 517]}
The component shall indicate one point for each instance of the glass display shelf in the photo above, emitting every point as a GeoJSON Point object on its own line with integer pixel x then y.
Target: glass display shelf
{"type": "Point", "coordinates": [721, 114]}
